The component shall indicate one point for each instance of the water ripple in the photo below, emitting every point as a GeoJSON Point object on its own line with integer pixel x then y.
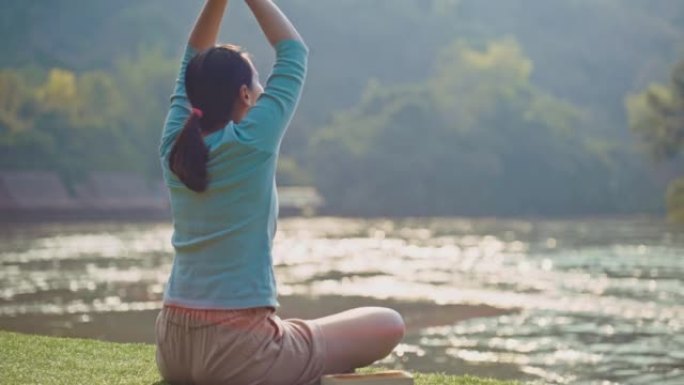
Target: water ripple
{"type": "Point", "coordinates": [600, 302]}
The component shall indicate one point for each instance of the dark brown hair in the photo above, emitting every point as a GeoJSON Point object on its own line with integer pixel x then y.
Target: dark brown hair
{"type": "Point", "coordinates": [213, 80]}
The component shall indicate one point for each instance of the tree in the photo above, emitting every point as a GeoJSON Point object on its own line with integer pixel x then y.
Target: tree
{"type": "Point", "coordinates": [477, 138]}
{"type": "Point", "coordinates": [69, 124]}
{"type": "Point", "coordinates": [146, 79]}
{"type": "Point", "coordinates": [675, 201]}
{"type": "Point", "coordinates": [657, 117]}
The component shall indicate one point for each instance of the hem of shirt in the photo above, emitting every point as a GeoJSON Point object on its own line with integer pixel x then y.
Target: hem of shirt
{"type": "Point", "coordinates": [213, 305]}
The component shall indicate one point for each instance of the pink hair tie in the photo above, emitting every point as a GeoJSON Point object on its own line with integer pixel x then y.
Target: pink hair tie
{"type": "Point", "coordinates": [198, 112]}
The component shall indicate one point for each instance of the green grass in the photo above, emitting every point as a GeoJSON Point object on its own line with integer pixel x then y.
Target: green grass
{"type": "Point", "coordinates": [29, 359]}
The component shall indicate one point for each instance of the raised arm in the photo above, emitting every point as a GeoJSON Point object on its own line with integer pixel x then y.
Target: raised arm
{"type": "Point", "coordinates": [203, 36]}
{"type": "Point", "coordinates": [267, 121]}
{"type": "Point", "coordinates": [273, 22]}
{"type": "Point", "coordinates": [207, 26]}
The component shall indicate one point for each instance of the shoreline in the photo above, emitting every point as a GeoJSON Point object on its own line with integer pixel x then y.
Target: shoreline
{"type": "Point", "coordinates": [138, 326]}
{"type": "Point", "coordinates": [417, 314]}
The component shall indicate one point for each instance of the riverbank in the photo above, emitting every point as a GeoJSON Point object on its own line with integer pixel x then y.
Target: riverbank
{"type": "Point", "coordinates": [29, 359]}
{"type": "Point", "coordinates": [138, 326]}
{"type": "Point", "coordinates": [36, 196]}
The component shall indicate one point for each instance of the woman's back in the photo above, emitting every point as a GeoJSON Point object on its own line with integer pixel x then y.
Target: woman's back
{"type": "Point", "coordinates": [223, 236]}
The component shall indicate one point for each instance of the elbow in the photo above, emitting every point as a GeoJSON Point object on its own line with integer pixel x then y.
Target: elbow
{"type": "Point", "coordinates": [302, 44]}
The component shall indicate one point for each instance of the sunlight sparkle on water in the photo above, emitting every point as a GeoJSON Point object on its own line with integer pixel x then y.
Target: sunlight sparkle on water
{"type": "Point", "coordinates": [597, 303]}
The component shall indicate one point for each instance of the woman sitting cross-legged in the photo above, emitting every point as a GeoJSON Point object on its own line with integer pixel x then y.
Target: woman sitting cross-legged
{"type": "Point", "coordinates": [219, 151]}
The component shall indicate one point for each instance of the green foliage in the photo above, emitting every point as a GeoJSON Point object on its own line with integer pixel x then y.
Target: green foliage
{"type": "Point", "coordinates": [73, 123]}
{"type": "Point", "coordinates": [147, 80]}
{"type": "Point", "coordinates": [590, 52]}
{"type": "Point", "coordinates": [92, 80]}
{"type": "Point", "coordinates": [675, 201]}
{"type": "Point", "coordinates": [290, 174]}
{"type": "Point", "coordinates": [14, 98]}
{"type": "Point", "coordinates": [476, 138]}
{"type": "Point", "coordinates": [67, 124]}
{"type": "Point", "coordinates": [469, 83]}
{"type": "Point", "coordinates": [657, 116]}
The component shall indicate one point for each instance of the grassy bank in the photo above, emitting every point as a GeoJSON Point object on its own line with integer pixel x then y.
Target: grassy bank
{"type": "Point", "coordinates": [28, 359]}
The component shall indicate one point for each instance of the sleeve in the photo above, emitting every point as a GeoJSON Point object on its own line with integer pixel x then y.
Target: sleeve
{"type": "Point", "coordinates": [180, 109]}
{"type": "Point", "coordinates": [266, 122]}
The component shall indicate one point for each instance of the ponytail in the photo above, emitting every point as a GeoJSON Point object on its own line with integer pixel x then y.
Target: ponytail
{"type": "Point", "coordinates": [213, 80]}
{"type": "Point", "coordinates": [189, 155]}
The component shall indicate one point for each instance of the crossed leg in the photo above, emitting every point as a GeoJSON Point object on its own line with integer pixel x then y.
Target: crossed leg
{"type": "Point", "coordinates": [358, 337]}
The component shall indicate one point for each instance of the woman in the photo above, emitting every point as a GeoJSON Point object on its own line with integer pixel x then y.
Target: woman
{"type": "Point", "coordinates": [219, 152]}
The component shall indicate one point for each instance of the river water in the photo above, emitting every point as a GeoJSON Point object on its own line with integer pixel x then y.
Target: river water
{"type": "Point", "coordinates": [584, 301]}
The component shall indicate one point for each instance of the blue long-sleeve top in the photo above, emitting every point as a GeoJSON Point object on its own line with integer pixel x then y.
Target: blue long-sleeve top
{"type": "Point", "coordinates": [223, 237]}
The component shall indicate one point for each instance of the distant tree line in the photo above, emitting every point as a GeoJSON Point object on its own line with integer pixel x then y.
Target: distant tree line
{"type": "Point", "coordinates": [485, 108]}
{"type": "Point", "coordinates": [657, 116]}
{"type": "Point", "coordinates": [476, 138]}
{"type": "Point", "coordinates": [95, 120]}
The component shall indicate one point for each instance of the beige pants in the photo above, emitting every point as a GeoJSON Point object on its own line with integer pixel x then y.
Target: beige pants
{"type": "Point", "coordinates": [238, 347]}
